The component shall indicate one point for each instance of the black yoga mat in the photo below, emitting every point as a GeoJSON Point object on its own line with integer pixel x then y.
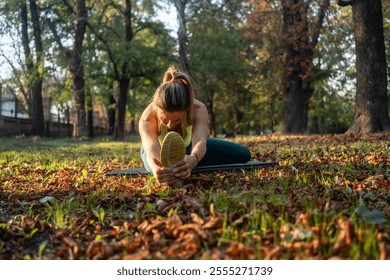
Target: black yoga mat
{"type": "Point", "coordinates": [199, 169]}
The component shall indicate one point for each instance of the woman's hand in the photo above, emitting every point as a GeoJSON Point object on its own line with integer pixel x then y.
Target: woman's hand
{"type": "Point", "coordinates": [182, 169]}
{"type": "Point", "coordinates": [163, 175]}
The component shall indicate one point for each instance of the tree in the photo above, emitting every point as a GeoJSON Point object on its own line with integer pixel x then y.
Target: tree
{"type": "Point", "coordinates": [215, 60]}
{"type": "Point", "coordinates": [124, 77]}
{"type": "Point", "coordinates": [117, 45]}
{"type": "Point", "coordinates": [263, 54]}
{"type": "Point", "coordinates": [76, 64]}
{"type": "Point", "coordinates": [299, 45]}
{"type": "Point", "coordinates": [371, 102]}
{"type": "Point", "coordinates": [182, 34]}
{"type": "Point", "coordinates": [35, 69]}
{"type": "Point", "coordinates": [25, 71]}
{"type": "Point", "coordinates": [334, 75]}
{"type": "Point", "coordinates": [121, 29]}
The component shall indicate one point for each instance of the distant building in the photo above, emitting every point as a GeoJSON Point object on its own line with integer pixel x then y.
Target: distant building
{"type": "Point", "coordinates": [10, 105]}
{"type": "Point", "coordinates": [14, 118]}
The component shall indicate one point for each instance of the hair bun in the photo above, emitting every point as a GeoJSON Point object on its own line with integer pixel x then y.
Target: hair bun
{"type": "Point", "coordinates": [170, 75]}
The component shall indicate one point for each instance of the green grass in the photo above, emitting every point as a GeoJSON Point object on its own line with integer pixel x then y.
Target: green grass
{"type": "Point", "coordinates": [328, 198]}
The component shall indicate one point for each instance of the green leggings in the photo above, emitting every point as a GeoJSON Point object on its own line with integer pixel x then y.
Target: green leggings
{"type": "Point", "coordinates": [218, 152]}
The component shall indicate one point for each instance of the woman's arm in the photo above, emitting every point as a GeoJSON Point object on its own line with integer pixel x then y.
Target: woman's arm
{"type": "Point", "coordinates": [148, 127]}
{"type": "Point", "coordinates": [199, 132]}
{"type": "Point", "coordinates": [148, 131]}
{"type": "Point", "coordinates": [199, 139]}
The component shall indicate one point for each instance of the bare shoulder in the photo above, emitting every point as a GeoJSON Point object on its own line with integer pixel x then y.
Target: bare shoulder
{"type": "Point", "coordinates": [149, 113]}
{"type": "Point", "coordinates": [199, 107]}
{"type": "Point", "coordinates": [200, 111]}
{"type": "Point", "coordinates": [148, 119]}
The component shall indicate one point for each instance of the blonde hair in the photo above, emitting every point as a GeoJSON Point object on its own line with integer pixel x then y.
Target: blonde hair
{"type": "Point", "coordinates": [175, 93]}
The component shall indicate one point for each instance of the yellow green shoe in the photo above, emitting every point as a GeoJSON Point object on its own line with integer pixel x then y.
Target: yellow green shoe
{"type": "Point", "coordinates": [172, 149]}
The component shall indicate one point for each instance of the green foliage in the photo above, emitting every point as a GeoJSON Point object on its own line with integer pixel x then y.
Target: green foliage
{"type": "Point", "coordinates": [329, 112]}
{"type": "Point", "coordinates": [235, 58]}
{"type": "Point", "coordinates": [100, 214]}
{"type": "Point", "coordinates": [221, 83]}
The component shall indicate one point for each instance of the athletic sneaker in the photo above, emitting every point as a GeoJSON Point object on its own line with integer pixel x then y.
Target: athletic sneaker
{"type": "Point", "coordinates": [172, 149]}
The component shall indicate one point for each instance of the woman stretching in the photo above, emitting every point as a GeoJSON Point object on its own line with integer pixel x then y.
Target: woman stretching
{"type": "Point", "coordinates": [174, 108]}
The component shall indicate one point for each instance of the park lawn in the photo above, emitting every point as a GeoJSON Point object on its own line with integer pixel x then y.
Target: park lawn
{"type": "Point", "coordinates": [328, 199]}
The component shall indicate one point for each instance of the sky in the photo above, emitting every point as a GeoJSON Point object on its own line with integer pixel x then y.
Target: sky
{"type": "Point", "coordinates": [4, 67]}
{"type": "Point", "coordinates": [170, 19]}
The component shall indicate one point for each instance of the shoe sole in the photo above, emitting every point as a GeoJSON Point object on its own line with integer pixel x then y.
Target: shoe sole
{"type": "Point", "coordinates": [172, 149]}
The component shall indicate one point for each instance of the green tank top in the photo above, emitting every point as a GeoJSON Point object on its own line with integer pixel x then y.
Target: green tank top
{"type": "Point", "coordinates": [187, 129]}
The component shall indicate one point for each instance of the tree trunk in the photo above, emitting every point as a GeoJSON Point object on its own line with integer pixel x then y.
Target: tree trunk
{"type": "Point", "coordinates": [124, 84]}
{"type": "Point", "coordinates": [371, 104]}
{"type": "Point", "coordinates": [78, 103]}
{"type": "Point", "coordinates": [91, 133]}
{"type": "Point", "coordinates": [35, 70]}
{"type": "Point", "coordinates": [123, 79]}
{"type": "Point", "coordinates": [212, 119]}
{"type": "Point", "coordinates": [27, 51]}
{"type": "Point", "coordinates": [133, 129]}
{"type": "Point", "coordinates": [296, 81]}
{"type": "Point", "coordinates": [182, 35]}
{"type": "Point", "coordinates": [298, 55]}
{"type": "Point", "coordinates": [38, 122]}
{"type": "Point", "coordinates": [77, 71]}
{"type": "Point", "coordinates": [111, 115]}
